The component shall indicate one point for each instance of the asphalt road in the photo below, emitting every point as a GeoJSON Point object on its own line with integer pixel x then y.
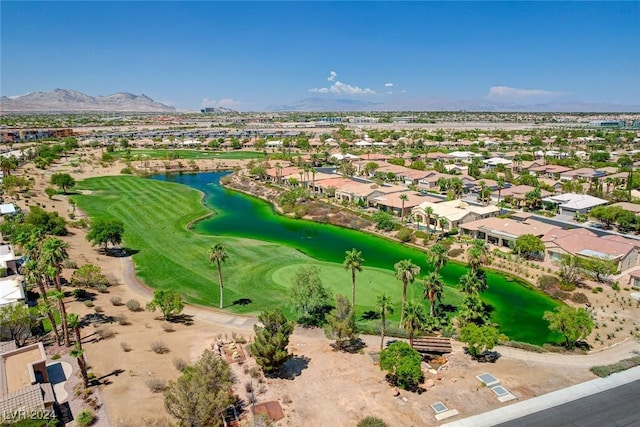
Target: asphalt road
{"type": "Point", "coordinates": [617, 407]}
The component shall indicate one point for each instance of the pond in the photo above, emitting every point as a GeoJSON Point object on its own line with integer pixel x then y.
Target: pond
{"type": "Point", "coordinates": [517, 308]}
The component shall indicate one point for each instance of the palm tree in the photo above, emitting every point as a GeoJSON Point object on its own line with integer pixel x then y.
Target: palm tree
{"type": "Point", "coordinates": [53, 254]}
{"type": "Point", "coordinates": [433, 287]}
{"type": "Point", "coordinates": [403, 198]}
{"type": "Point", "coordinates": [63, 317]}
{"type": "Point", "coordinates": [383, 306]}
{"type": "Point", "coordinates": [313, 179]}
{"type": "Point", "coordinates": [73, 322]}
{"type": "Point", "coordinates": [472, 309]}
{"type": "Point", "coordinates": [33, 274]}
{"type": "Point", "coordinates": [473, 283]}
{"type": "Point", "coordinates": [437, 256]}
{"type": "Point", "coordinates": [406, 272]}
{"type": "Point", "coordinates": [500, 182]}
{"type": "Point", "coordinates": [443, 223]}
{"type": "Point", "coordinates": [478, 254]}
{"type": "Point", "coordinates": [353, 261]}
{"type": "Point", "coordinates": [78, 353]}
{"type": "Point", "coordinates": [428, 211]}
{"type": "Point", "coordinates": [414, 319]}
{"type": "Point", "coordinates": [218, 255]}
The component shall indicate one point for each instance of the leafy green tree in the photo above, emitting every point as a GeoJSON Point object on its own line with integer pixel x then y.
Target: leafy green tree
{"type": "Point", "coordinates": [353, 261]}
{"type": "Point", "coordinates": [202, 392]}
{"type": "Point", "coordinates": [17, 319]}
{"type": "Point", "coordinates": [47, 222]}
{"type": "Point", "coordinates": [384, 306]}
{"type": "Point", "coordinates": [310, 298]}
{"type": "Point", "coordinates": [50, 192]}
{"type": "Point", "coordinates": [271, 340]}
{"type": "Point", "coordinates": [480, 339]}
{"type": "Point", "coordinates": [414, 319]}
{"type": "Point", "coordinates": [529, 246]}
{"type": "Point", "coordinates": [599, 268]}
{"type": "Point", "coordinates": [218, 255]}
{"type": "Point", "coordinates": [433, 286]}
{"type": "Point", "coordinates": [383, 221]}
{"type": "Point", "coordinates": [341, 323]}
{"type": "Point", "coordinates": [571, 272]}
{"type": "Point", "coordinates": [89, 276]}
{"type": "Point", "coordinates": [63, 180]}
{"type": "Point", "coordinates": [406, 272]}
{"type": "Point", "coordinates": [103, 231]}
{"type": "Point", "coordinates": [403, 364]}
{"type": "Point", "coordinates": [573, 324]}
{"type": "Point", "coordinates": [168, 301]}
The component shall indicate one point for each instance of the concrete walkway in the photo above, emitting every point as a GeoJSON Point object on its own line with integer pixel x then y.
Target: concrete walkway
{"type": "Point", "coordinates": [549, 400]}
{"type": "Point", "coordinates": [206, 314]}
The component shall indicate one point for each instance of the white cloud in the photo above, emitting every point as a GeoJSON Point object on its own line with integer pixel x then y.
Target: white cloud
{"type": "Point", "coordinates": [389, 92]}
{"type": "Point", "coordinates": [341, 88]}
{"type": "Point", "coordinates": [224, 102]}
{"type": "Point", "coordinates": [388, 84]}
{"type": "Point", "coordinates": [500, 92]}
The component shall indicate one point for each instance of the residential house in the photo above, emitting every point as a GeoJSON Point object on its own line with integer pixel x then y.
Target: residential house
{"type": "Point", "coordinates": [584, 243]}
{"type": "Point", "coordinates": [582, 173]}
{"type": "Point", "coordinates": [572, 202]}
{"type": "Point", "coordinates": [391, 202]}
{"type": "Point", "coordinates": [454, 212]}
{"type": "Point", "coordinates": [493, 162]}
{"type": "Point", "coordinates": [24, 380]}
{"type": "Point", "coordinates": [516, 194]}
{"type": "Point", "coordinates": [549, 171]}
{"type": "Point", "coordinates": [502, 231]}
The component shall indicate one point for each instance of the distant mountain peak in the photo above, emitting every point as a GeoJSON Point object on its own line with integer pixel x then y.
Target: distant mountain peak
{"type": "Point", "coordinates": [69, 100]}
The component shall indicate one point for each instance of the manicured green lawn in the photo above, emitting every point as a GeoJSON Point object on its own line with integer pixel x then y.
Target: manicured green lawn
{"type": "Point", "coordinates": [168, 255]}
{"type": "Point", "coordinates": [188, 154]}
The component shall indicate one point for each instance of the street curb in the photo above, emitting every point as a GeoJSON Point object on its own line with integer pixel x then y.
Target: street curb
{"type": "Point", "coordinates": [549, 400]}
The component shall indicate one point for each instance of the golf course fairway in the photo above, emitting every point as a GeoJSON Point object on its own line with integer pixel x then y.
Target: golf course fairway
{"type": "Point", "coordinates": [266, 248]}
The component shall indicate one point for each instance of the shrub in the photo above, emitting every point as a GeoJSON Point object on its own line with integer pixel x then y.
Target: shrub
{"type": "Point", "coordinates": [122, 320]}
{"type": "Point", "coordinates": [88, 304]}
{"type": "Point", "coordinates": [117, 301]}
{"type": "Point", "coordinates": [405, 235]}
{"type": "Point", "coordinates": [156, 385]}
{"type": "Point", "coordinates": [103, 289]}
{"type": "Point", "coordinates": [159, 347]}
{"type": "Point", "coordinates": [85, 418]}
{"type": "Point", "coordinates": [525, 346]}
{"type": "Point", "coordinates": [371, 422]}
{"type": "Point", "coordinates": [567, 287]}
{"type": "Point", "coordinates": [55, 357]}
{"type": "Point", "coordinates": [623, 365]}
{"type": "Point", "coordinates": [98, 309]}
{"type": "Point", "coordinates": [104, 332]}
{"type": "Point", "coordinates": [579, 298]}
{"type": "Point", "coordinates": [547, 282]}
{"type": "Point", "coordinates": [455, 252]}
{"type": "Point", "coordinates": [168, 327]}
{"type": "Point", "coordinates": [559, 294]}
{"type": "Point", "coordinates": [125, 347]}
{"type": "Point", "coordinates": [180, 364]}
{"type": "Point", "coordinates": [133, 305]}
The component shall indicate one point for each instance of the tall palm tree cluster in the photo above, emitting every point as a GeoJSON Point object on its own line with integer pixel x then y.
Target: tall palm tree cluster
{"type": "Point", "coordinates": [45, 257]}
{"type": "Point", "coordinates": [474, 282]}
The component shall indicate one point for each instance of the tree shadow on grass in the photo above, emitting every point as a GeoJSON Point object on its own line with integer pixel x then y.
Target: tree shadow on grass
{"type": "Point", "coordinates": [121, 252]}
{"type": "Point", "coordinates": [294, 367]}
{"type": "Point", "coordinates": [370, 315]}
{"type": "Point", "coordinates": [242, 301]}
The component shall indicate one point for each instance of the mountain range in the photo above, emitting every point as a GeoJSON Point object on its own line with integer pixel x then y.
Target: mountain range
{"type": "Point", "coordinates": [320, 104]}
{"type": "Point", "coordinates": [66, 100]}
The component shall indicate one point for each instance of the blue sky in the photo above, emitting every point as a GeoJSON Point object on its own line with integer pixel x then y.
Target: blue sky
{"type": "Point", "coordinates": [250, 55]}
